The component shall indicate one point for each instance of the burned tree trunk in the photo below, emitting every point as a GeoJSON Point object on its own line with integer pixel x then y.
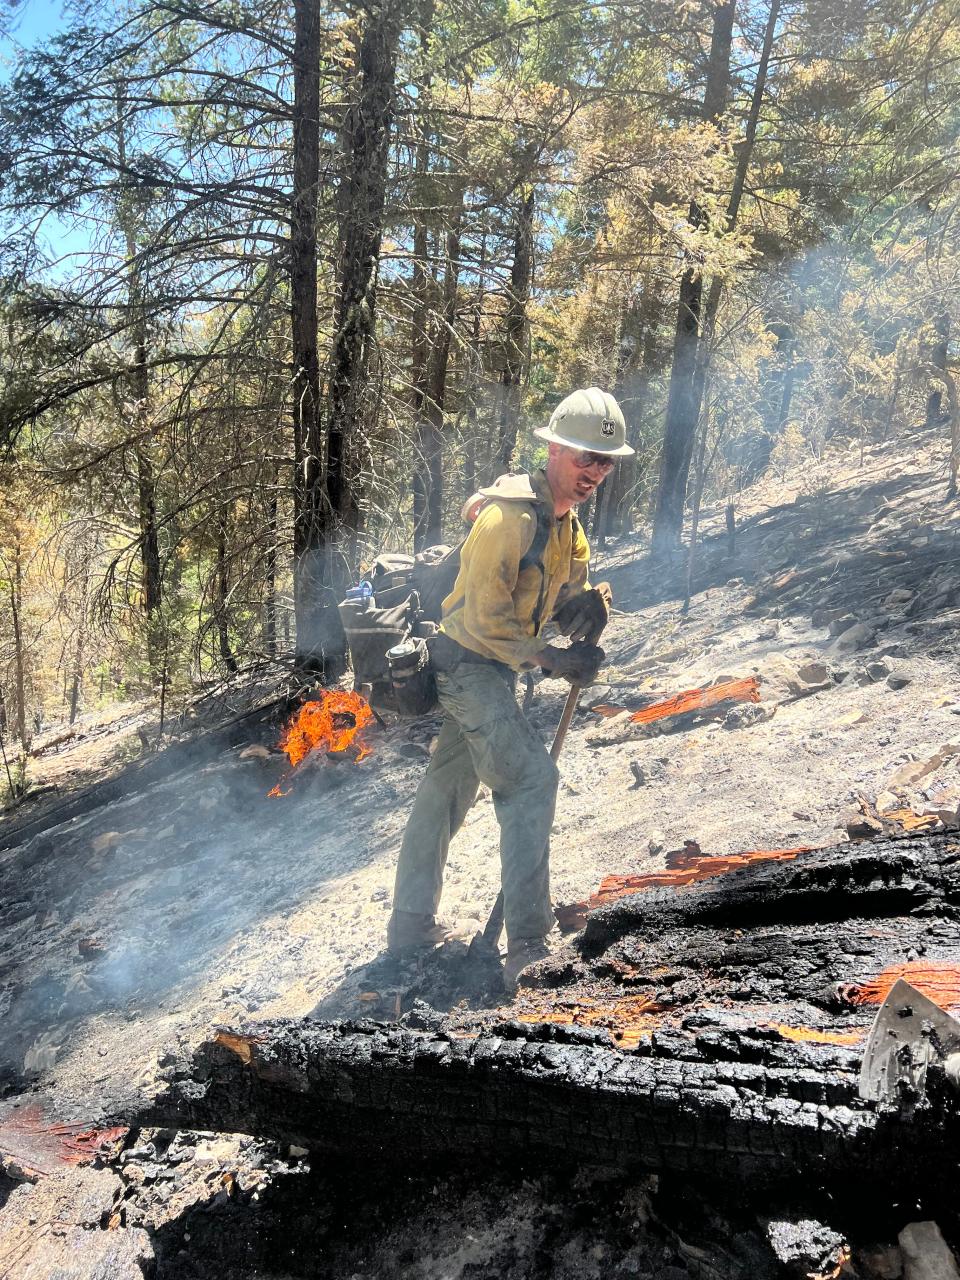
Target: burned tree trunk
{"type": "Point", "coordinates": [368, 1090]}
{"type": "Point", "coordinates": [515, 333]}
{"type": "Point", "coordinates": [309, 495]}
{"type": "Point", "coordinates": [682, 403]}
{"type": "Point", "coordinates": [360, 204]}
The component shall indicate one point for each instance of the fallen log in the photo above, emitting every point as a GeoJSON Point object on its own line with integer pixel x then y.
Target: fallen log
{"type": "Point", "coordinates": [713, 1029]}
{"type": "Point", "coordinates": [360, 1091]}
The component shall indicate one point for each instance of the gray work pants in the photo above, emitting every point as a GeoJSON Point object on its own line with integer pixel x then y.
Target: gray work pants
{"type": "Point", "coordinates": [484, 738]}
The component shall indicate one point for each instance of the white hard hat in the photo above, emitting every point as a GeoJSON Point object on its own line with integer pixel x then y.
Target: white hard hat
{"type": "Point", "coordinates": [588, 419]}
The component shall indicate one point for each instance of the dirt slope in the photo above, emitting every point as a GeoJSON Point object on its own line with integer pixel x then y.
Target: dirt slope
{"type": "Point", "coordinates": [206, 900]}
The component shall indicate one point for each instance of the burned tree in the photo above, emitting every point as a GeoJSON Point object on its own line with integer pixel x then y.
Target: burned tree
{"type": "Point", "coordinates": [333, 508]}
{"type": "Point", "coordinates": [515, 331]}
{"type": "Point", "coordinates": [682, 404]}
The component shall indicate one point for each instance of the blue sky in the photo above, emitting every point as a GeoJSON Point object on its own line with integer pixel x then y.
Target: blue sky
{"type": "Point", "coordinates": [24, 25]}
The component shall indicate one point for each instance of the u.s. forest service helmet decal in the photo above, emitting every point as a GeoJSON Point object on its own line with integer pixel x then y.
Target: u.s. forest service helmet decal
{"type": "Point", "coordinates": [607, 427]}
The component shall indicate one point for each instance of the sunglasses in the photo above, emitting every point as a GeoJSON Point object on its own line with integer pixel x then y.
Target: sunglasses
{"type": "Point", "coordinates": [584, 458]}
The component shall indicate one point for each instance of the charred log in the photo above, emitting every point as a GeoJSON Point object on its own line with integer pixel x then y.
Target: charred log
{"type": "Point", "coordinates": [713, 1030]}
{"type": "Point", "coordinates": [551, 1093]}
{"type": "Point", "coordinates": [913, 876]}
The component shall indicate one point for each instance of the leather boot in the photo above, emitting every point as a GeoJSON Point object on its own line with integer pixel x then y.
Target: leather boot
{"type": "Point", "coordinates": [408, 932]}
{"type": "Point", "coordinates": [520, 955]}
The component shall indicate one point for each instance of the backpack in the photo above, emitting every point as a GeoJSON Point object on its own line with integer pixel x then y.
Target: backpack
{"type": "Point", "coordinates": [403, 597]}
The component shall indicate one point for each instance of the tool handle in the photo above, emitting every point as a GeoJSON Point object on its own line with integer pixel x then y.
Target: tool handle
{"type": "Point", "coordinates": [569, 707]}
{"type": "Point", "coordinates": [494, 926]}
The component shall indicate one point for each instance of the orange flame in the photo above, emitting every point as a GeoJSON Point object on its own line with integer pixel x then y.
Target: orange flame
{"type": "Point", "coordinates": [939, 981]}
{"type": "Point", "coordinates": [329, 723]}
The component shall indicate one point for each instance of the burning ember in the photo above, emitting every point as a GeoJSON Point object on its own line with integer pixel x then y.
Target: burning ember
{"type": "Point", "coordinates": [331, 723]}
{"type": "Point", "coordinates": [745, 690]}
{"type": "Point", "coordinates": [34, 1145]}
{"type": "Point", "coordinates": [626, 1020]}
{"type": "Point", "coordinates": [688, 865]}
{"type": "Point", "coordinates": [809, 1035]}
{"type": "Point", "coordinates": [939, 981]}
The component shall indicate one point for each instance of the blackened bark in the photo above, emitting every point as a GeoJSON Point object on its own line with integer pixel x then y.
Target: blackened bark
{"type": "Point", "coordinates": [309, 497]}
{"type": "Point", "coordinates": [270, 578]}
{"type": "Point", "coordinates": [360, 200]}
{"type": "Point", "coordinates": [938, 360]}
{"type": "Point", "coordinates": [366, 1091]}
{"type": "Point", "coordinates": [515, 337]}
{"type": "Point", "coordinates": [223, 594]}
{"type": "Point", "coordinates": [438, 364]}
{"type": "Point", "coordinates": [682, 403]}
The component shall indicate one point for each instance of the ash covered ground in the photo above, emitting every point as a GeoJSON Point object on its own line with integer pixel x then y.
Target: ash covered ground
{"type": "Point", "coordinates": [129, 932]}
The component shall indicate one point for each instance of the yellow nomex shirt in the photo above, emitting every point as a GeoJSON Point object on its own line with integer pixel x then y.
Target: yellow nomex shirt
{"type": "Point", "coordinates": [492, 605]}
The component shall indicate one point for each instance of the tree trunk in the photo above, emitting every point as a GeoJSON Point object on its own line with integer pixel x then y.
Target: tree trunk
{"type": "Point", "coordinates": [76, 679]}
{"type": "Point", "coordinates": [309, 497]}
{"type": "Point", "coordinates": [270, 578]}
{"type": "Point", "coordinates": [360, 202]}
{"type": "Point", "coordinates": [699, 478]}
{"type": "Point", "coordinates": [473, 381]}
{"type": "Point", "coordinates": [682, 404]}
{"type": "Point", "coordinates": [756, 954]}
{"type": "Point", "coordinates": [515, 335]}
{"type": "Point", "coordinates": [632, 390]}
{"type": "Point", "coordinates": [938, 359]}
{"type": "Point", "coordinates": [19, 654]}
{"type": "Point", "coordinates": [733, 204]}
{"type": "Point", "coordinates": [437, 382]}
{"type": "Point", "coordinates": [140, 394]}
{"type": "Point", "coordinates": [420, 352]}
{"type": "Point", "coordinates": [223, 594]}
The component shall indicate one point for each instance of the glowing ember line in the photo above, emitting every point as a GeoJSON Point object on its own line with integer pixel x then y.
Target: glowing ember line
{"type": "Point", "coordinates": [625, 1020]}
{"type": "Point", "coordinates": [808, 1035]}
{"type": "Point", "coordinates": [688, 868]}
{"type": "Point", "coordinates": [939, 981]}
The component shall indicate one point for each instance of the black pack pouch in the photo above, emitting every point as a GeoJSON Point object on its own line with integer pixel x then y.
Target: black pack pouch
{"type": "Point", "coordinates": [412, 677]}
{"type": "Point", "coordinates": [371, 631]}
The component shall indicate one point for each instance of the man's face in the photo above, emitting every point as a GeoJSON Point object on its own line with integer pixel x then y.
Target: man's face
{"type": "Point", "coordinates": [576, 473]}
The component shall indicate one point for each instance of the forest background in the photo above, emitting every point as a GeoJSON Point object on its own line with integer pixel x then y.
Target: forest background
{"type": "Point", "coordinates": [282, 283]}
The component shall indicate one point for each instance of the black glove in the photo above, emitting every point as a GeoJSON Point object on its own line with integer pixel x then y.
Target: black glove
{"type": "Point", "coordinates": [584, 616]}
{"type": "Point", "coordinates": [579, 664]}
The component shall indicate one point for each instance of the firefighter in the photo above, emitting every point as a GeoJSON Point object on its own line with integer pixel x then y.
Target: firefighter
{"type": "Point", "coordinates": [525, 561]}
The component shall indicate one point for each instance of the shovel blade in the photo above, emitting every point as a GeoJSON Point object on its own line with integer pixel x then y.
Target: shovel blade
{"type": "Point", "coordinates": [908, 1033]}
